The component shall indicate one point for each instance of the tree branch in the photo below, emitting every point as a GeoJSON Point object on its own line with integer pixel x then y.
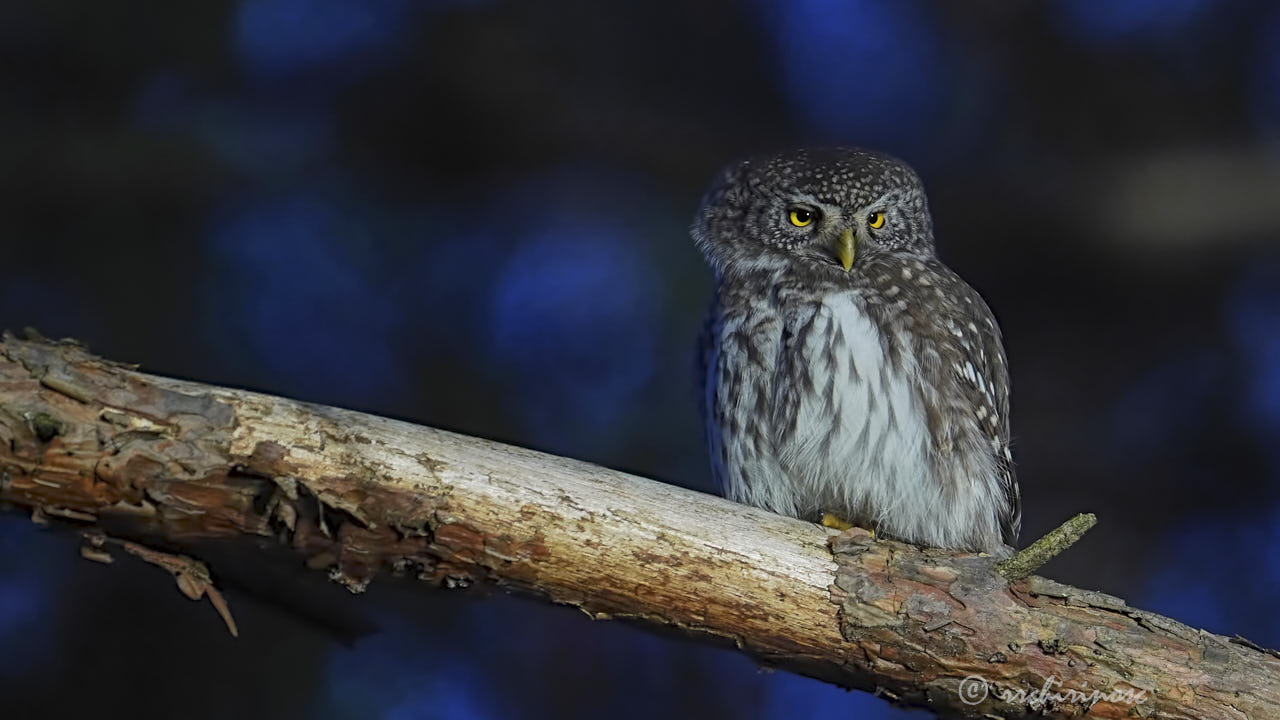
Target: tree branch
{"type": "Point", "coordinates": [177, 464]}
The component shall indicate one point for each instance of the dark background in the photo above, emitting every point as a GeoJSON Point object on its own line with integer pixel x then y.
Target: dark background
{"type": "Point", "coordinates": [473, 213]}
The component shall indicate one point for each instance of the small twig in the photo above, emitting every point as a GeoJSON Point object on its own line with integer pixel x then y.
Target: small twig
{"type": "Point", "coordinates": [191, 575]}
{"type": "Point", "coordinates": [1030, 558]}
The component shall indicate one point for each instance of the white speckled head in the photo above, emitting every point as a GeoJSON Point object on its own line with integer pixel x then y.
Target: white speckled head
{"type": "Point", "coordinates": [746, 220]}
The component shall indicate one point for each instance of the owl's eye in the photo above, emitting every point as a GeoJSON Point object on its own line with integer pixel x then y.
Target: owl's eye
{"type": "Point", "coordinates": [875, 220]}
{"type": "Point", "coordinates": [802, 216]}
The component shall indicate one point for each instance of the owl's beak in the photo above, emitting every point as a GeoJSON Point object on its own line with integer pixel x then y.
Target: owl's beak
{"type": "Point", "coordinates": [844, 249]}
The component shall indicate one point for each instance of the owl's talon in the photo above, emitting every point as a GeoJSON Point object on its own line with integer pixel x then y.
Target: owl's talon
{"type": "Point", "coordinates": [836, 522]}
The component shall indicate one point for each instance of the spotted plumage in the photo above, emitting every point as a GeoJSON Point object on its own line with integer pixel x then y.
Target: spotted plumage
{"type": "Point", "coordinates": [847, 370]}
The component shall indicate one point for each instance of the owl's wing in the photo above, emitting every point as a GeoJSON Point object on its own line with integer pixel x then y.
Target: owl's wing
{"type": "Point", "coordinates": [962, 358]}
{"type": "Point", "coordinates": [704, 361]}
{"type": "Point", "coordinates": [986, 385]}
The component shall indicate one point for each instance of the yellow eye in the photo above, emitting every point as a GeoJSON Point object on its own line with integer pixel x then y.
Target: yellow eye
{"type": "Point", "coordinates": [875, 220]}
{"type": "Point", "coordinates": [801, 216]}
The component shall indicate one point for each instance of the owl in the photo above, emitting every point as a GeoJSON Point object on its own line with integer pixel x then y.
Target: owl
{"type": "Point", "coordinates": [848, 373]}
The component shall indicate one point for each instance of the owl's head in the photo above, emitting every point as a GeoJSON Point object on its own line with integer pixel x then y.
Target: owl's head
{"type": "Point", "coordinates": [829, 207]}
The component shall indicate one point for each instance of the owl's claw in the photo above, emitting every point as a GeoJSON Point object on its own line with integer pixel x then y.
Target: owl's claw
{"type": "Point", "coordinates": [835, 522]}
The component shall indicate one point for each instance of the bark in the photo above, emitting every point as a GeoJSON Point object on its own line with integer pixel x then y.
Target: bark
{"type": "Point", "coordinates": [142, 461]}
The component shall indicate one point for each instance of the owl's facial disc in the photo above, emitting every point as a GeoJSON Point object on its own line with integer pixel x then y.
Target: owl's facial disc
{"type": "Point", "coordinates": [844, 248]}
{"type": "Point", "coordinates": [822, 207]}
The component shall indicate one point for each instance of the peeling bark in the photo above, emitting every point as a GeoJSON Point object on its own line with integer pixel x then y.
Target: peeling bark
{"type": "Point", "coordinates": [155, 461]}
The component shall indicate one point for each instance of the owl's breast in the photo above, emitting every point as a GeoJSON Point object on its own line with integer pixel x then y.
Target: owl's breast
{"type": "Point", "coordinates": [849, 424]}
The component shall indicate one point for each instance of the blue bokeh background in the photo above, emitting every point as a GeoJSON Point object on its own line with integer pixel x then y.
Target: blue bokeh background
{"type": "Point", "coordinates": [473, 214]}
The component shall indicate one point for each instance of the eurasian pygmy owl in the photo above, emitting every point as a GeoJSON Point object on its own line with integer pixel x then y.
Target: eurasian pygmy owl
{"type": "Point", "coordinates": [847, 370]}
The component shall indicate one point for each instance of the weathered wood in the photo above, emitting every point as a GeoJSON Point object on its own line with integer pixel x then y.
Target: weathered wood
{"type": "Point", "coordinates": [155, 460]}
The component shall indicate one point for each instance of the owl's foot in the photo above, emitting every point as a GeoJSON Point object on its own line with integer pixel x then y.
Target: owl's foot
{"type": "Point", "coordinates": [835, 522]}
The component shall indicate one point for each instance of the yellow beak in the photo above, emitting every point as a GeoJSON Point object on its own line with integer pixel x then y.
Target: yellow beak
{"type": "Point", "coordinates": [844, 249]}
